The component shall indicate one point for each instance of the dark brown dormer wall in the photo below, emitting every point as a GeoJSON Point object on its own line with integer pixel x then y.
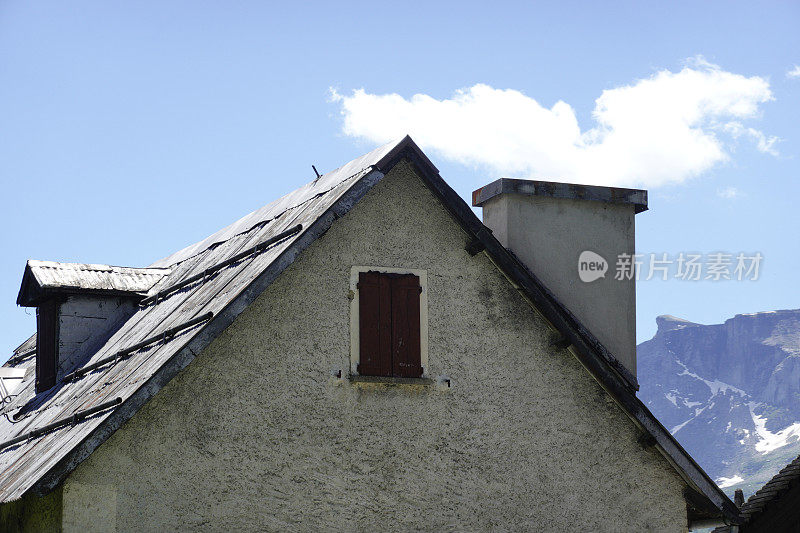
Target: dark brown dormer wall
{"type": "Point", "coordinates": [46, 345]}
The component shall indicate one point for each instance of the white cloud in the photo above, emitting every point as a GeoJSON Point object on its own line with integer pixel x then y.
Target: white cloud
{"type": "Point", "coordinates": [729, 193]}
{"type": "Point", "coordinates": [662, 129]}
{"type": "Point", "coordinates": [793, 72]}
{"type": "Point", "coordinates": [763, 143]}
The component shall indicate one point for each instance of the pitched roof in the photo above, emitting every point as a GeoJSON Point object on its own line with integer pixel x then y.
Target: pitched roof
{"type": "Point", "coordinates": [42, 461]}
{"type": "Point", "coordinates": [282, 230]}
{"type": "Point", "coordinates": [26, 348]}
{"type": "Point", "coordinates": [771, 492]}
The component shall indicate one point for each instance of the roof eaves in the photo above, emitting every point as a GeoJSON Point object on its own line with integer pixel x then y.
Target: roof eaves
{"type": "Point", "coordinates": [29, 288]}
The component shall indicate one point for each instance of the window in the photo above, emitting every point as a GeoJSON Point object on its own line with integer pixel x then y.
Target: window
{"type": "Point", "coordinates": [389, 336]}
{"type": "Point", "coordinates": [46, 345]}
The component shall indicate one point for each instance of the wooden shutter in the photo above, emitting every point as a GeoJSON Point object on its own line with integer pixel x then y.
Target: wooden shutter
{"type": "Point", "coordinates": [405, 326]}
{"type": "Point", "coordinates": [374, 324]}
{"type": "Point", "coordinates": [46, 345]}
{"type": "Point", "coordinates": [389, 325]}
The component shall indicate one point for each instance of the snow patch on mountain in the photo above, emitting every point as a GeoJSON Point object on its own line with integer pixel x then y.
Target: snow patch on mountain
{"type": "Point", "coordinates": [769, 441]}
{"type": "Point", "coordinates": [724, 482]}
{"type": "Point", "coordinates": [680, 426]}
{"type": "Point", "coordinates": [715, 386]}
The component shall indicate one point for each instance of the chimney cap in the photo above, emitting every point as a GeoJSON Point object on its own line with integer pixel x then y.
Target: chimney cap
{"type": "Point", "coordinates": [554, 189]}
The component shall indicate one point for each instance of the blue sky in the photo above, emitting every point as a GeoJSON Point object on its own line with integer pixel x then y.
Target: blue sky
{"type": "Point", "coordinates": [128, 131]}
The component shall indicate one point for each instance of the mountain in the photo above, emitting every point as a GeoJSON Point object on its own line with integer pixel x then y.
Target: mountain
{"type": "Point", "coordinates": [730, 393]}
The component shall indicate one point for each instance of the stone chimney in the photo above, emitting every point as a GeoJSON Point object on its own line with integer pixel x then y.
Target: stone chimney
{"type": "Point", "coordinates": [570, 237]}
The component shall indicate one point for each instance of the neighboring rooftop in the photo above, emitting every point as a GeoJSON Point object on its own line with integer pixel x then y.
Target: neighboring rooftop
{"type": "Point", "coordinates": [768, 499]}
{"type": "Point", "coordinates": [42, 278]}
{"type": "Point", "coordinates": [612, 195]}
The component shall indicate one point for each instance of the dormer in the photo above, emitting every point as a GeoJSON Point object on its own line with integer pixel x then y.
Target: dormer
{"type": "Point", "coordinates": [78, 307]}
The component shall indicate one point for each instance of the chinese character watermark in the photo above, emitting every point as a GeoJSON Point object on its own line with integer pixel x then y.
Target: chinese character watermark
{"type": "Point", "coordinates": [684, 266]}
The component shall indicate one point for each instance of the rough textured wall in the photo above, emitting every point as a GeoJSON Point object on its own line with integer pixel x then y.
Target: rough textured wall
{"type": "Point", "coordinates": [30, 513]}
{"type": "Point", "coordinates": [256, 434]}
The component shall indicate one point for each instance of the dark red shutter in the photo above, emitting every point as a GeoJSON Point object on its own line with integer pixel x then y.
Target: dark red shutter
{"type": "Point", "coordinates": [405, 327]}
{"type": "Point", "coordinates": [46, 344]}
{"type": "Point", "coordinates": [375, 324]}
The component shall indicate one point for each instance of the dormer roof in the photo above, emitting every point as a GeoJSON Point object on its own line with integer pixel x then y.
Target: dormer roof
{"type": "Point", "coordinates": [43, 279]}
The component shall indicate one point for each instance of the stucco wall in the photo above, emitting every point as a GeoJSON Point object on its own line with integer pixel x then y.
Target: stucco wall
{"type": "Point", "coordinates": [31, 513]}
{"type": "Point", "coordinates": [256, 434]}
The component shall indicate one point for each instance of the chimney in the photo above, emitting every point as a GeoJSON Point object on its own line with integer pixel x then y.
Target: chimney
{"type": "Point", "coordinates": [78, 308]}
{"type": "Point", "coordinates": [552, 227]}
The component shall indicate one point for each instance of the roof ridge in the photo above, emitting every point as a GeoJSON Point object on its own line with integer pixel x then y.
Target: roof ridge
{"type": "Point", "coordinates": [358, 166]}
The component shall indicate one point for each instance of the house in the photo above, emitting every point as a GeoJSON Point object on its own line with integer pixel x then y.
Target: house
{"type": "Point", "coordinates": [361, 354]}
{"type": "Point", "coordinates": [774, 508]}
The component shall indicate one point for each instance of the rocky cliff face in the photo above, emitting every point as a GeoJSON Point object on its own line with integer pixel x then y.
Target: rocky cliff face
{"type": "Point", "coordinates": [730, 393]}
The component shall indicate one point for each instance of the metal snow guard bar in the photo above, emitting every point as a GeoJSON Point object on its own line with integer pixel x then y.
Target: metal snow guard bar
{"type": "Point", "coordinates": [122, 354]}
{"type": "Point", "coordinates": [160, 295]}
{"type": "Point", "coordinates": [61, 422]}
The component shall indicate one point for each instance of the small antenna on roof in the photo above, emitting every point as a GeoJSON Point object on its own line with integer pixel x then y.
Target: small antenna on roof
{"type": "Point", "coordinates": [317, 173]}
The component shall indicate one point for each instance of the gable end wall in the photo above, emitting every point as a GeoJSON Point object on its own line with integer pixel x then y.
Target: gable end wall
{"type": "Point", "coordinates": [257, 433]}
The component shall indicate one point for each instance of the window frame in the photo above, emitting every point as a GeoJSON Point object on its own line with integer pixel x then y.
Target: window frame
{"type": "Point", "coordinates": [355, 333]}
